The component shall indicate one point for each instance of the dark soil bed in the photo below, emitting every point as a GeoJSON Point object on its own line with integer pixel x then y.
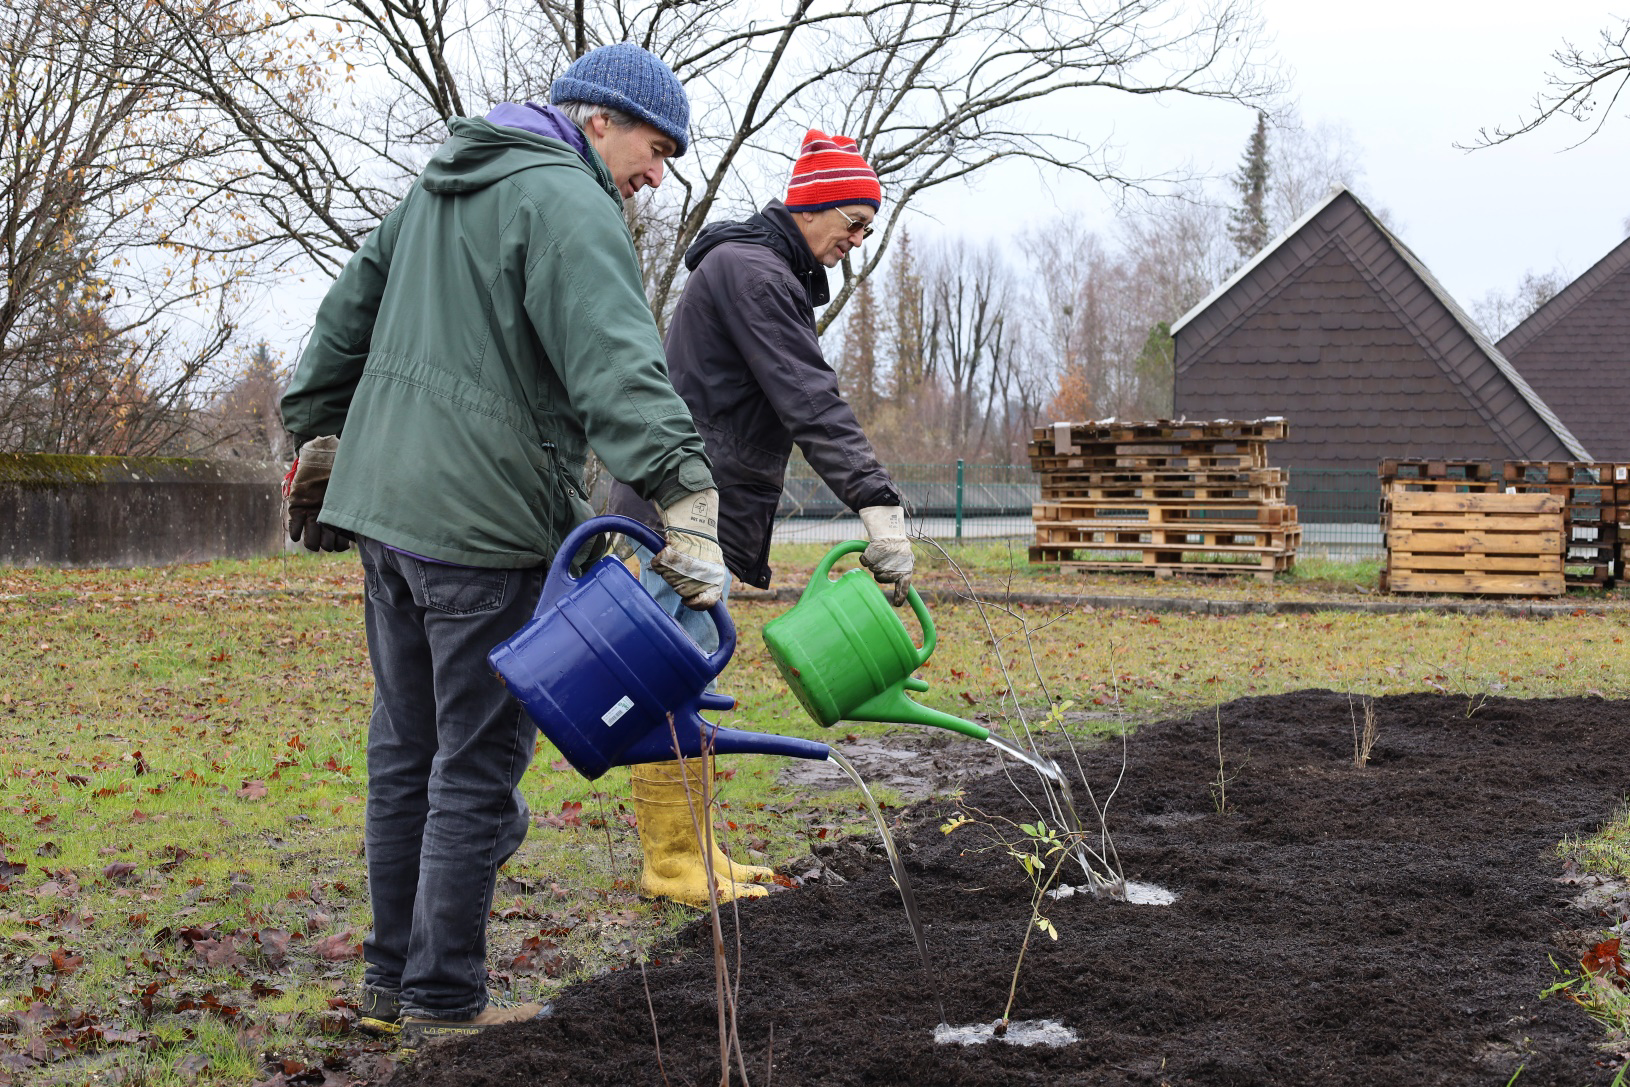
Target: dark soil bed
{"type": "Point", "coordinates": [1334, 926]}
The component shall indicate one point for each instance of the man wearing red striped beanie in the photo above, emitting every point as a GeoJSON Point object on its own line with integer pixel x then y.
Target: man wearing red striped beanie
{"type": "Point", "coordinates": [743, 353]}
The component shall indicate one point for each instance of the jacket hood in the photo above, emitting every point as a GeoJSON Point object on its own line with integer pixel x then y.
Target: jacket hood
{"type": "Point", "coordinates": [480, 153]}
{"type": "Point", "coordinates": [774, 229]}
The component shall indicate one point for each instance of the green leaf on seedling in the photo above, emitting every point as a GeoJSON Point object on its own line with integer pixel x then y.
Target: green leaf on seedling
{"type": "Point", "coordinates": [1027, 861]}
{"type": "Point", "coordinates": [1047, 927]}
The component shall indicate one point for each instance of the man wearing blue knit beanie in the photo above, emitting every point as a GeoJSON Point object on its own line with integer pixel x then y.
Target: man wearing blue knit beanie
{"type": "Point", "coordinates": [486, 335]}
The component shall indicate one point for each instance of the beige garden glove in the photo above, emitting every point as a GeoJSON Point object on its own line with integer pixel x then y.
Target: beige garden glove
{"type": "Point", "coordinates": [692, 562]}
{"type": "Point", "coordinates": [889, 555]}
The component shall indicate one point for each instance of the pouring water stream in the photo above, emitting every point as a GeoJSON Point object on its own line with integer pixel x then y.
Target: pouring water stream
{"type": "Point", "coordinates": [901, 880]}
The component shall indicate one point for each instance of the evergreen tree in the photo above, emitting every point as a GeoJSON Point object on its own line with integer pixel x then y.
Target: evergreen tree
{"type": "Point", "coordinates": [1154, 372]}
{"type": "Point", "coordinates": [858, 369]}
{"type": "Point", "coordinates": [1248, 221]}
{"type": "Point", "coordinates": [906, 287]}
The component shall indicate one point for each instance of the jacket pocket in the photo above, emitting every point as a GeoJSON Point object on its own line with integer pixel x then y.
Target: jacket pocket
{"type": "Point", "coordinates": [577, 509]}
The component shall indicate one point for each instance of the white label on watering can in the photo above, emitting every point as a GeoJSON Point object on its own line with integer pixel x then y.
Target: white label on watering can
{"type": "Point", "coordinates": [615, 713]}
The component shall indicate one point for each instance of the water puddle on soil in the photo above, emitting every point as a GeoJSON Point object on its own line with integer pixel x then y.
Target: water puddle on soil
{"type": "Point", "coordinates": [1063, 801]}
{"type": "Point", "coordinates": [1138, 894]}
{"type": "Point", "coordinates": [1026, 1032]}
{"type": "Point", "coordinates": [901, 880]}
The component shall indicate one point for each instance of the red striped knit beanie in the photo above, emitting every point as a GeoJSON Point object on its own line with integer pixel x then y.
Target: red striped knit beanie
{"type": "Point", "coordinates": [830, 173]}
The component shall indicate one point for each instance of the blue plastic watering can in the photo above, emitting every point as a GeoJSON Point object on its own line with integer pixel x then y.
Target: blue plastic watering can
{"type": "Point", "coordinates": [599, 667]}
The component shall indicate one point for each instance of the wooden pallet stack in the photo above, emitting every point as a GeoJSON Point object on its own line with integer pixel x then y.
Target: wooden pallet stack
{"type": "Point", "coordinates": [1481, 542]}
{"type": "Point", "coordinates": [1163, 497]}
{"type": "Point", "coordinates": [1621, 492]}
{"type": "Point", "coordinates": [1592, 508]}
{"type": "Point", "coordinates": [1438, 476]}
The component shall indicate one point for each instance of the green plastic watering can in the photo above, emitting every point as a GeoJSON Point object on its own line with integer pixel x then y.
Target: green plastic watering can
{"type": "Point", "coordinates": [847, 655]}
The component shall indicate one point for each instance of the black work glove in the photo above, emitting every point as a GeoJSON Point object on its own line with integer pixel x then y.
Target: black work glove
{"type": "Point", "coordinates": [303, 491]}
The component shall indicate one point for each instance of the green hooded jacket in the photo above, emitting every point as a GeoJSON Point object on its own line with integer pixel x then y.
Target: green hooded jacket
{"type": "Point", "coordinates": [491, 330]}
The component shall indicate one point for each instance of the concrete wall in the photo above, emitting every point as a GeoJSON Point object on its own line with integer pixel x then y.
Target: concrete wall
{"type": "Point", "coordinates": [135, 511]}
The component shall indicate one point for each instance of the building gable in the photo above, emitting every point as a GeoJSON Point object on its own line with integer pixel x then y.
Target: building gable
{"type": "Point", "coordinates": [1338, 327]}
{"type": "Point", "coordinates": [1575, 351]}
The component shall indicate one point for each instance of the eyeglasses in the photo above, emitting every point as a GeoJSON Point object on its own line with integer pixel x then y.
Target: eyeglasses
{"type": "Point", "coordinates": [865, 228]}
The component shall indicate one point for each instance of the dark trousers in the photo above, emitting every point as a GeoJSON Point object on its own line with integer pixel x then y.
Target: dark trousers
{"type": "Point", "coordinates": [447, 746]}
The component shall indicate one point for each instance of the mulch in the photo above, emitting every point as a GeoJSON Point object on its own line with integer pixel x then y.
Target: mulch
{"type": "Point", "coordinates": [1335, 925]}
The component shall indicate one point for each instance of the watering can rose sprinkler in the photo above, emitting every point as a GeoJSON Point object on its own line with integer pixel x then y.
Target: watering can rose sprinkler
{"type": "Point", "coordinates": [600, 668]}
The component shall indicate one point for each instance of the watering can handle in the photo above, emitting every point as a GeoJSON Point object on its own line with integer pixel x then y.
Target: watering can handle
{"type": "Point", "coordinates": [821, 580]}
{"type": "Point", "coordinates": [560, 579]}
{"type": "Point", "coordinates": [930, 635]}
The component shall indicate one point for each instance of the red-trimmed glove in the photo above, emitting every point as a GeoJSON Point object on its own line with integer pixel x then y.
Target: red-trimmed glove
{"type": "Point", "coordinates": [303, 491]}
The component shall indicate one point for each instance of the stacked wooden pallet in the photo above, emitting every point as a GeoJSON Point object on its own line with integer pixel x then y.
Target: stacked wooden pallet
{"type": "Point", "coordinates": [1439, 476]}
{"type": "Point", "coordinates": [1592, 508]}
{"type": "Point", "coordinates": [1621, 493]}
{"type": "Point", "coordinates": [1485, 543]}
{"type": "Point", "coordinates": [1163, 497]}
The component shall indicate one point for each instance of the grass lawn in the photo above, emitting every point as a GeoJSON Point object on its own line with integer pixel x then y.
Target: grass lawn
{"type": "Point", "coordinates": [182, 779]}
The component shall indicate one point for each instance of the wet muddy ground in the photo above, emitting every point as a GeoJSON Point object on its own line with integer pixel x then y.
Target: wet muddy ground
{"type": "Point", "coordinates": [1334, 925]}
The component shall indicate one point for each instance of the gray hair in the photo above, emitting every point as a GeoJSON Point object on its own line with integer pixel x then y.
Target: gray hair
{"type": "Point", "coordinates": [582, 112]}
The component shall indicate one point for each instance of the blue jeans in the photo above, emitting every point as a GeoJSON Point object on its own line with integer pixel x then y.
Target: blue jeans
{"type": "Point", "coordinates": [447, 746]}
{"type": "Point", "coordinates": [698, 624]}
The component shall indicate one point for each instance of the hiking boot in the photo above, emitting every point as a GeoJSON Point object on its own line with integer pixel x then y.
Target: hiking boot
{"type": "Point", "coordinates": [380, 1014]}
{"type": "Point", "coordinates": [419, 1030]}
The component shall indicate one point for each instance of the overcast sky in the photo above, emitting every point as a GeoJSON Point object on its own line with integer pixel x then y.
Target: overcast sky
{"type": "Point", "coordinates": [1408, 79]}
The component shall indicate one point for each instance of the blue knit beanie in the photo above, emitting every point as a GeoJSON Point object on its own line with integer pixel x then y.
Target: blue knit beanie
{"type": "Point", "coordinates": [628, 78]}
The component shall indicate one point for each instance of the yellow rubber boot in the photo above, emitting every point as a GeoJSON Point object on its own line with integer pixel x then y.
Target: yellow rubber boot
{"type": "Point", "coordinates": [741, 873]}
{"type": "Point", "coordinates": [669, 815]}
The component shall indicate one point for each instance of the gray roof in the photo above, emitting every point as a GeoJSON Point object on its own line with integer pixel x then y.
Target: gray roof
{"type": "Point", "coordinates": [1525, 425]}
{"type": "Point", "coordinates": [1575, 350]}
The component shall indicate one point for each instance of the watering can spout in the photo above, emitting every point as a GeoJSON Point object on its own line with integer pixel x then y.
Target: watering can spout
{"type": "Point", "coordinates": [894, 706]}
{"type": "Point", "coordinates": [698, 737]}
{"type": "Point", "coordinates": [847, 656]}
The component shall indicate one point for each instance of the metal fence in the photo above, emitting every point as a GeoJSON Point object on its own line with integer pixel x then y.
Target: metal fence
{"type": "Point", "coordinates": [1338, 509]}
{"type": "Point", "coordinates": [1340, 512]}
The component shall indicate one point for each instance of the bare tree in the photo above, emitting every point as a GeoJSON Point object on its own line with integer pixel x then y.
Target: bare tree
{"type": "Point", "coordinates": [1585, 87]}
{"type": "Point", "coordinates": [967, 293]}
{"type": "Point", "coordinates": [339, 121]}
{"type": "Point", "coordinates": [246, 420]}
{"type": "Point", "coordinates": [1498, 312]}
{"type": "Point", "coordinates": [114, 314]}
{"type": "Point", "coordinates": [1305, 161]}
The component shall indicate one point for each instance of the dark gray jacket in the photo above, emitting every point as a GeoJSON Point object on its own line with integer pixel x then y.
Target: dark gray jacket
{"type": "Point", "coordinates": [743, 354]}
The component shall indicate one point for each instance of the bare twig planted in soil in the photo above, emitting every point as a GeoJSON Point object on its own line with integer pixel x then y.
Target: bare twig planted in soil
{"type": "Point", "coordinates": [1219, 787]}
{"type": "Point", "coordinates": [656, 1035]}
{"type": "Point", "coordinates": [1459, 679]}
{"type": "Point", "coordinates": [1363, 738]}
{"type": "Point", "coordinates": [1111, 877]}
{"type": "Point", "coordinates": [725, 989]}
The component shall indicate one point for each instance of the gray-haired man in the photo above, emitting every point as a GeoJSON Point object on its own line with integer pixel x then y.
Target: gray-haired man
{"type": "Point", "coordinates": [490, 331]}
